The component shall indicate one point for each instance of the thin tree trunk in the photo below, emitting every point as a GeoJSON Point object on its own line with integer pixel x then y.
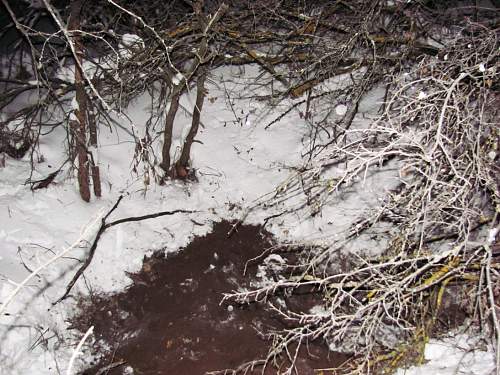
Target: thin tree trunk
{"type": "Point", "coordinates": [169, 126]}
{"type": "Point", "coordinates": [92, 124]}
{"type": "Point", "coordinates": [177, 90]}
{"type": "Point", "coordinates": [94, 168]}
{"type": "Point", "coordinates": [200, 98]}
{"type": "Point", "coordinates": [96, 180]}
{"type": "Point", "coordinates": [79, 125]}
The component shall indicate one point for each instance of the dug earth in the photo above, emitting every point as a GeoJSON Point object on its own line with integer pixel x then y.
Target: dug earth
{"type": "Point", "coordinates": [171, 320]}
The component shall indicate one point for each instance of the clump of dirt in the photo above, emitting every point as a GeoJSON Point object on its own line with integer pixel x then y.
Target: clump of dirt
{"type": "Point", "coordinates": [170, 320]}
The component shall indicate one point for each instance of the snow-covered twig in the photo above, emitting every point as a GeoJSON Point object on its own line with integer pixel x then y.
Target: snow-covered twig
{"type": "Point", "coordinates": [77, 350]}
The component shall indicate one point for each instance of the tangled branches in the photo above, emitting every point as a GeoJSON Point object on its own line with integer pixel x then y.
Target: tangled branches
{"type": "Point", "coordinates": [128, 48]}
{"type": "Point", "coordinates": [439, 129]}
{"type": "Point", "coordinates": [376, 305]}
{"type": "Point", "coordinates": [451, 177]}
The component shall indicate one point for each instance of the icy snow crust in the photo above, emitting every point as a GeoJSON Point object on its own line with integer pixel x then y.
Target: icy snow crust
{"type": "Point", "coordinates": [237, 162]}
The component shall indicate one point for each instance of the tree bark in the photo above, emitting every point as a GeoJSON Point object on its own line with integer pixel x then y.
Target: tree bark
{"type": "Point", "coordinates": [96, 180]}
{"type": "Point", "coordinates": [169, 126]}
{"type": "Point", "coordinates": [178, 89]}
{"type": "Point", "coordinates": [78, 126]}
{"type": "Point", "coordinates": [94, 168]}
{"type": "Point", "coordinates": [92, 124]}
{"type": "Point", "coordinates": [200, 98]}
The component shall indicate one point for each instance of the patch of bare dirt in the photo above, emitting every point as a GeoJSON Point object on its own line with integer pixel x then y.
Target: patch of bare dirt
{"type": "Point", "coordinates": [170, 320]}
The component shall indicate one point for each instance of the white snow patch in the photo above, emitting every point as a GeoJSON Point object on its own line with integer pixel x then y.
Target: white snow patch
{"type": "Point", "coordinates": [177, 78]}
{"type": "Point", "coordinates": [492, 234]}
{"type": "Point", "coordinates": [453, 356]}
{"type": "Point", "coordinates": [131, 40]}
{"type": "Point", "coordinates": [341, 109]}
{"type": "Point", "coordinates": [74, 104]}
{"type": "Point", "coordinates": [422, 95]}
{"type": "Point", "coordinates": [319, 310]}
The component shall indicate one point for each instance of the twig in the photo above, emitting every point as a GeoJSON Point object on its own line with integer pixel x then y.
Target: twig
{"type": "Point", "coordinates": [78, 349]}
{"type": "Point", "coordinates": [83, 236]}
{"type": "Point", "coordinates": [101, 230]}
{"type": "Point", "coordinates": [105, 370]}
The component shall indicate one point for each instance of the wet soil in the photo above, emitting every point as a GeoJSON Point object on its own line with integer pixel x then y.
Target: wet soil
{"type": "Point", "coordinates": [171, 321]}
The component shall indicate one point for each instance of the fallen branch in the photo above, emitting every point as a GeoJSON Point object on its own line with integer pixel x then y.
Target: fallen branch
{"type": "Point", "coordinates": [110, 367]}
{"type": "Point", "coordinates": [78, 350]}
{"type": "Point", "coordinates": [21, 285]}
{"type": "Point", "coordinates": [100, 232]}
{"type": "Point", "coordinates": [44, 182]}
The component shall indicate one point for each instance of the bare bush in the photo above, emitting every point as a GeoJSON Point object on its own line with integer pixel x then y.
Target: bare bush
{"type": "Point", "coordinates": [439, 126]}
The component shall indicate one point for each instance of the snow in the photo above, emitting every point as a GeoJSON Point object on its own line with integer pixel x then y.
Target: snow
{"type": "Point", "coordinates": [130, 40]}
{"type": "Point", "coordinates": [453, 356]}
{"type": "Point", "coordinates": [238, 163]}
{"type": "Point", "coordinates": [422, 95]}
{"type": "Point", "coordinates": [178, 78]}
{"type": "Point", "coordinates": [341, 109]}
{"type": "Point", "coordinates": [492, 234]}
{"type": "Point", "coordinates": [74, 104]}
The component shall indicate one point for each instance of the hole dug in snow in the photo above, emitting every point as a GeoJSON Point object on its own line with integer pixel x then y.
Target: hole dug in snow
{"type": "Point", "coordinates": [171, 321]}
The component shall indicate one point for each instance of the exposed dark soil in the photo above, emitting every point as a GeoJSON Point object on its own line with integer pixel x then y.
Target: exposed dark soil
{"type": "Point", "coordinates": [170, 320]}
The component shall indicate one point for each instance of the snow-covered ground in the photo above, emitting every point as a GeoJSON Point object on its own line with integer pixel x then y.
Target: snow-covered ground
{"type": "Point", "coordinates": [237, 162]}
{"type": "Point", "coordinates": [453, 356]}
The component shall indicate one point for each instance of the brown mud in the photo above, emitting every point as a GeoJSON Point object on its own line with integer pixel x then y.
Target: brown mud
{"type": "Point", "coordinates": [170, 320]}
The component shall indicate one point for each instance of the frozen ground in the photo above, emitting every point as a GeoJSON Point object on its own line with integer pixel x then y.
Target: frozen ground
{"type": "Point", "coordinates": [237, 162]}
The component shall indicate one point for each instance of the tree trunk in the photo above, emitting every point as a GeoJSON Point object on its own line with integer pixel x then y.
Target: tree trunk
{"type": "Point", "coordinates": [78, 126]}
{"type": "Point", "coordinates": [94, 168]}
{"type": "Point", "coordinates": [92, 124]}
{"type": "Point", "coordinates": [96, 180]}
{"type": "Point", "coordinates": [200, 97]}
{"type": "Point", "coordinates": [177, 90]}
{"type": "Point", "coordinates": [169, 126]}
